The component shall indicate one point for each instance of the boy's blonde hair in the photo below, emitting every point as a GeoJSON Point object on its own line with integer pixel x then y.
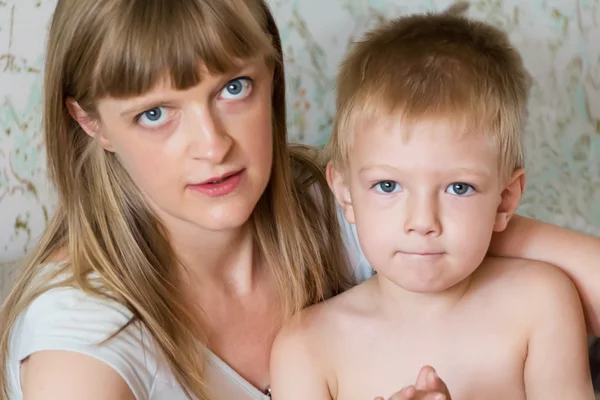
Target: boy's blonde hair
{"type": "Point", "coordinates": [434, 66]}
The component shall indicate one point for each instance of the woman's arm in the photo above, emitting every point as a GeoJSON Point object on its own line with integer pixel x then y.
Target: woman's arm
{"type": "Point", "coordinates": [578, 255]}
{"type": "Point", "coordinates": [62, 352]}
{"type": "Point", "coordinates": [68, 375]}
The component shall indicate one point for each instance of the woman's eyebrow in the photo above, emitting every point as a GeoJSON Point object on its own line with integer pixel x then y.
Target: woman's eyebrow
{"type": "Point", "coordinates": [150, 100]}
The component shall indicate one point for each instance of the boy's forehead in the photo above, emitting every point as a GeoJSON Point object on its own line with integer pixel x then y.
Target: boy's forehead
{"type": "Point", "coordinates": [425, 143]}
{"type": "Point", "coordinates": [397, 127]}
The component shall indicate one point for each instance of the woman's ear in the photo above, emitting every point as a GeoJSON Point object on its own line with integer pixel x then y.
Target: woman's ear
{"type": "Point", "coordinates": [338, 184]}
{"type": "Point", "coordinates": [511, 196]}
{"type": "Point", "coordinates": [89, 124]}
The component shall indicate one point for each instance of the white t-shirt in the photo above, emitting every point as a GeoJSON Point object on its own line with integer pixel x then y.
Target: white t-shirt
{"type": "Point", "coordinates": [69, 319]}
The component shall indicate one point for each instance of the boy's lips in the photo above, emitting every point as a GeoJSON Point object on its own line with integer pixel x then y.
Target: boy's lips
{"type": "Point", "coordinates": [423, 253]}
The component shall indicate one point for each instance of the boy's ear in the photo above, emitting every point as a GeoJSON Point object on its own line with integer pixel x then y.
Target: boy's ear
{"type": "Point", "coordinates": [511, 196]}
{"type": "Point", "coordinates": [341, 191]}
{"type": "Point", "coordinates": [90, 125]}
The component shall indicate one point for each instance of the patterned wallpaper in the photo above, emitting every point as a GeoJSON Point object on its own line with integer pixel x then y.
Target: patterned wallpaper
{"type": "Point", "coordinates": [554, 36]}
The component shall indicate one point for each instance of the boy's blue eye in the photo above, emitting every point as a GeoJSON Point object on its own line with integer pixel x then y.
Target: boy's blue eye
{"type": "Point", "coordinates": [153, 117]}
{"type": "Point", "coordinates": [460, 189]}
{"type": "Point", "coordinates": [388, 187]}
{"type": "Point", "coordinates": [237, 89]}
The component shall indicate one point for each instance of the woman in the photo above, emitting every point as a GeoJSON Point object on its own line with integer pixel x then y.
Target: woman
{"type": "Point", "coordinates": [186, 229]}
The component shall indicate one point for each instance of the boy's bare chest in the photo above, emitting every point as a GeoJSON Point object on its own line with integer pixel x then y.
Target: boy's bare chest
{"type": "Point", "coordinates": [484, 362]}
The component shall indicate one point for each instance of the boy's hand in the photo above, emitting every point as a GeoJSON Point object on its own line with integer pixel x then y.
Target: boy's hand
{"type": "Point", "coordinates": [428, 380]}
{"type": "Point", "coordinates": [428, 387]}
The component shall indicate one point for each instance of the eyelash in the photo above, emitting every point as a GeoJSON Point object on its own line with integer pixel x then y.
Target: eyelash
{"type": "Point", "coordinates": [470, 187]}
{"type": "Point", "coordinates": [249, 85]}
{"type": "Point", "coordinates": [248, 79]}
{"type": "Point", "coordinates": [377, 183]}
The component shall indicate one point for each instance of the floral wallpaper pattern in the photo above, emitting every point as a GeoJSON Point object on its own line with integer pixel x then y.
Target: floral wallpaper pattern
{"type": "Point", "coordinates": [554, 36]}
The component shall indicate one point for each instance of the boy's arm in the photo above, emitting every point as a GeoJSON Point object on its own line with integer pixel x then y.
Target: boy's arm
{"type": "Point", "coordinates": [295, 370]}
{"type": "Point", "coordinates": [557, 365]}
{"type": "Point", "coordinates": [578, 255]}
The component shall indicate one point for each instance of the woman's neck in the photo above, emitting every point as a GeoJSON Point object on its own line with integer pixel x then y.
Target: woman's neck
{"type": "Point", "coordinates": [226, 260]}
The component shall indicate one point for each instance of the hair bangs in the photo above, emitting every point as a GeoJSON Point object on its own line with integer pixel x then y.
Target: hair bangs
{"type": "Point", "coordinates": [430, 68]}
{"type": "Point", "coordinates": [148, 40]}
{"type": "Point", "coordinates": [438, 90]}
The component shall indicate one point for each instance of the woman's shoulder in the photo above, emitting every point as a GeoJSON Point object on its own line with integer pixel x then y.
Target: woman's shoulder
{"type": "Point", "coordinates": [62, 304]}
{"type": "Point", "coordinates": [73, 307]}
{"type": "Point", "coordinates": [358, 262]}
{"type": "Point", "coordinates": [360, 268]}
{"type": "Point", "coordinates": [310, 167]}
{"type": "Point", "coordinates": [70, 319]}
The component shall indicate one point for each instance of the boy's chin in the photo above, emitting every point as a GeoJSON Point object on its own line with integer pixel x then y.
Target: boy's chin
{"type": "Point", "coordinates": [429, 285]}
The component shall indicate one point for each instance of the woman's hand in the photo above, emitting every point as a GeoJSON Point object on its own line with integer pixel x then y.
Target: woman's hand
{"type": "Point", "coordinates": [429, 386]}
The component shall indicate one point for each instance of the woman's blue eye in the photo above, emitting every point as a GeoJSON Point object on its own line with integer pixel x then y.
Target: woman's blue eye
{"type": "Point", "coordinates": [154, 117]}
{"type": "Point", "coordinates": [237, 89]}
{"type": "Point", "coordinates": [460, 189]}
{"type": "Point", "coordinates": [388, 187]}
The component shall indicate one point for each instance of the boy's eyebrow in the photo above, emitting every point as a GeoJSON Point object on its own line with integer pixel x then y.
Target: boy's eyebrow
{"type": "Point", "coordinates": [370, 167]}
{"type": "Point", "coordinates": [483, 173]}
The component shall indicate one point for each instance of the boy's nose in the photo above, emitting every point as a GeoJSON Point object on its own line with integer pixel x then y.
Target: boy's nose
{"type": "Point", "coordinates": [422, 216]}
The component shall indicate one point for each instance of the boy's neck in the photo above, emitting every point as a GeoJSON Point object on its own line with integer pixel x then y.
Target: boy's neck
{"type": "Point", "coordinates": [397, 302]}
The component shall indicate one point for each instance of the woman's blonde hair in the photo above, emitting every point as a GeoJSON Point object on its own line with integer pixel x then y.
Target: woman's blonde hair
{"type": "Point", "coordinates": [119, 48]}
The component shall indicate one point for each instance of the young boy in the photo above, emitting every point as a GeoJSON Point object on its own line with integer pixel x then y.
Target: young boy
{"type": "Point", "coordinates": [427, 162]}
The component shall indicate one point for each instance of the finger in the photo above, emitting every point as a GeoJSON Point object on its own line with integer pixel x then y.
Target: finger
{"type": "Point", "coordinates": [438, 385]}
{"type": "Point", "coordinates": [433, 381]}
{"type": "Point", "coordinates": [427, 395]}
{"type": "Point", "coordinates": [421, 383]}
{"type": "Point", "coordinates": [423, 378]}
{"type": "Point", "coordinates": [405, 394]}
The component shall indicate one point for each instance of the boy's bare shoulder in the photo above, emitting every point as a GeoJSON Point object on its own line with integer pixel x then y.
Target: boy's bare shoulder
{"type": "Point", "coordinates": [318, 326]}
{"type": "Point", "coordinates": [534, 275]}
{"type": "Point", "coordinates": [307, 349]}
{"type": "Point", "coordinates": [534, 285]}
